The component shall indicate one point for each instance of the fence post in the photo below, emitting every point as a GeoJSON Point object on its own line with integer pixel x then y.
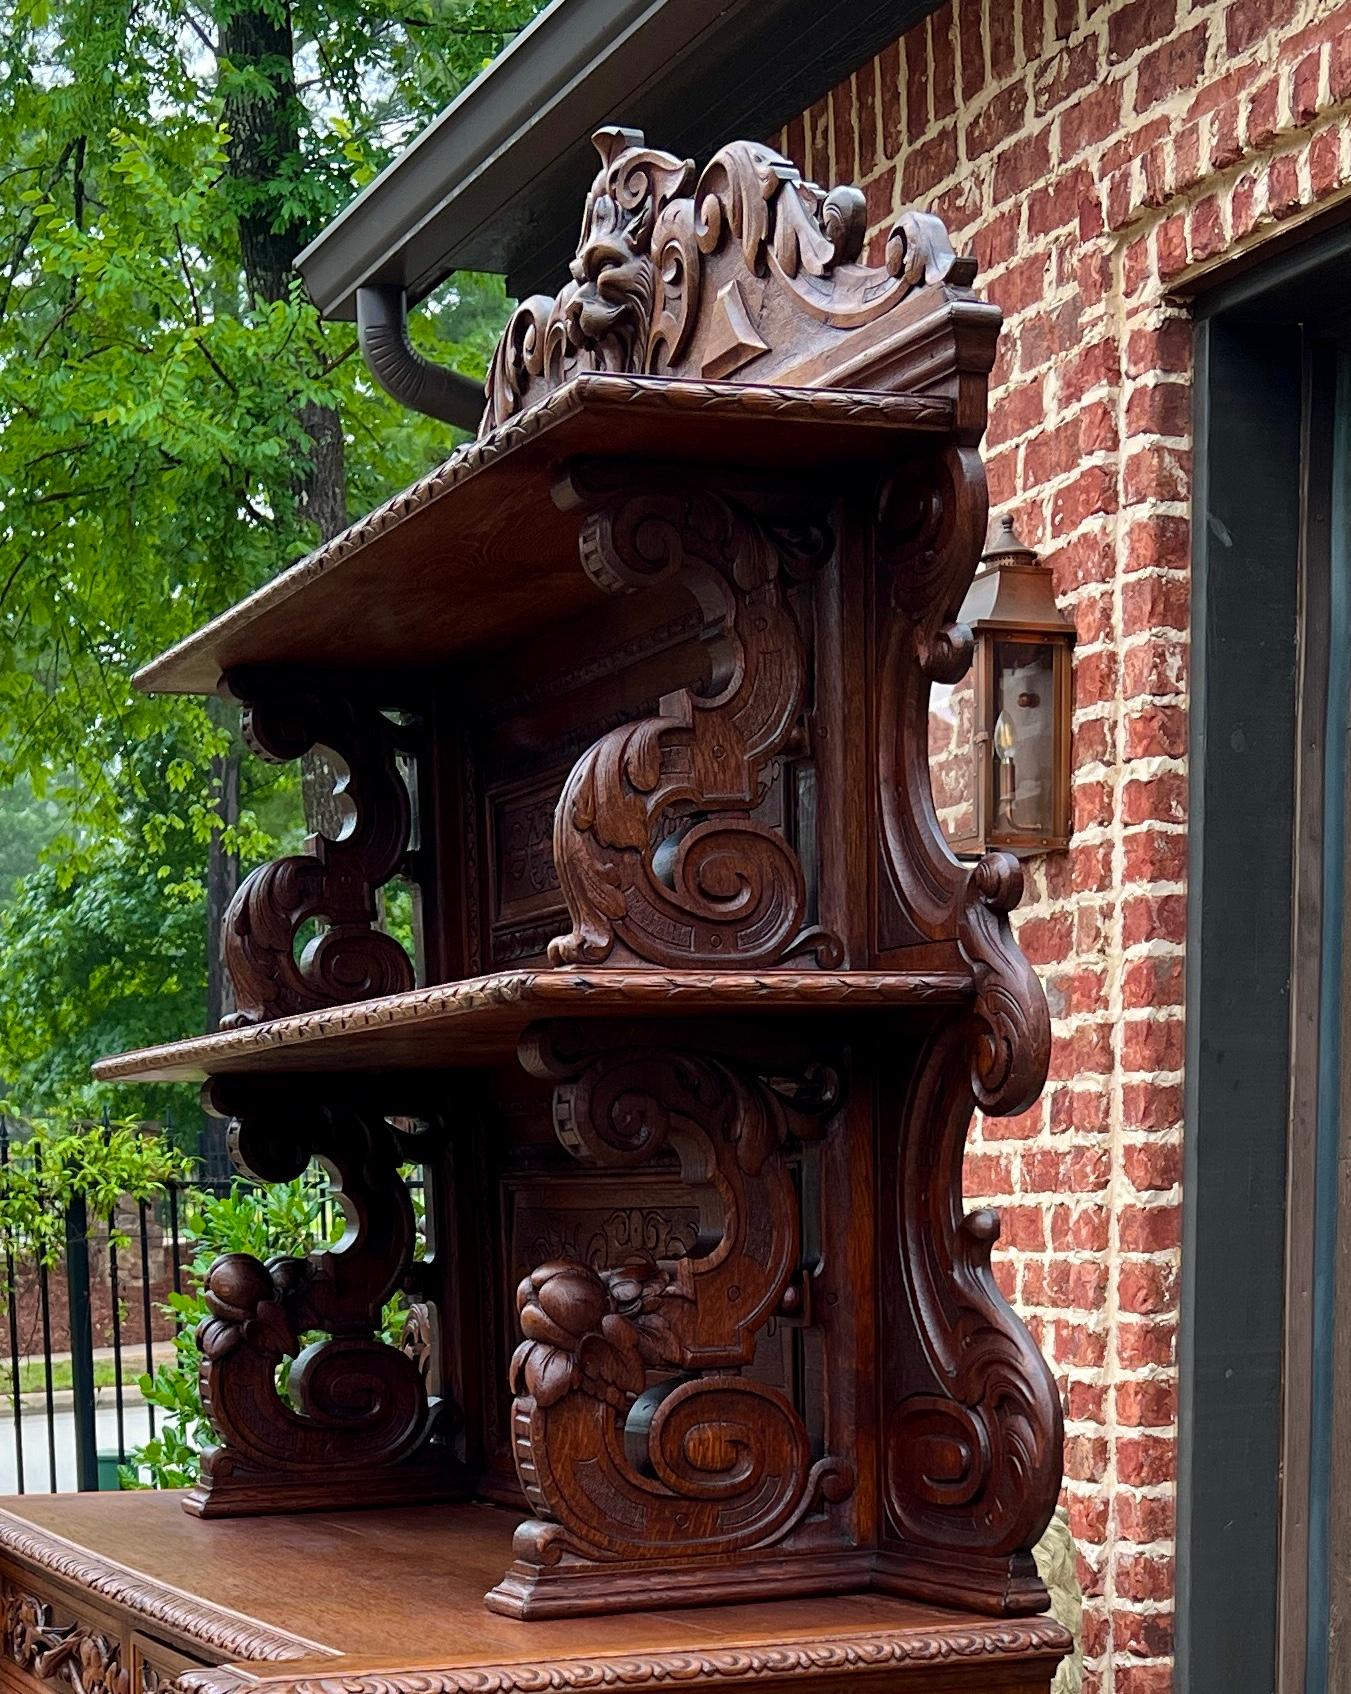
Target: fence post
{"type": "Point", "coordinates": [81, 1344]}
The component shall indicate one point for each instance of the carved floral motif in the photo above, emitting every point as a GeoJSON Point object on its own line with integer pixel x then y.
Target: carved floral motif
{"type": "Point", "coordinates": [356, 1405]}
{"type": "Point", "coordinates": [84, 1659]}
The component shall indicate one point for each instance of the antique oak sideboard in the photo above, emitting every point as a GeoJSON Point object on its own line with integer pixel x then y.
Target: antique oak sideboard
{"type": "Point", "coordinates": [715, 1383]}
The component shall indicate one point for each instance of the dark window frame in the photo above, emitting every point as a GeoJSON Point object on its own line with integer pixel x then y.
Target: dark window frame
{"type": "Point", "coordinates": [1256, 979]}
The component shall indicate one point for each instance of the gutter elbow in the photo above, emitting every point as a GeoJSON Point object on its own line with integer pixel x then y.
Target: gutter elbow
{"type": "Point", "coordinates": [382, 335]}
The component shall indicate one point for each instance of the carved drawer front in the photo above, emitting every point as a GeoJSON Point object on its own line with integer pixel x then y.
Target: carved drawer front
{"type": "Point", "coordinates": [50, 1644]}
{"type": "Point", "coordinates": [154, 1666]}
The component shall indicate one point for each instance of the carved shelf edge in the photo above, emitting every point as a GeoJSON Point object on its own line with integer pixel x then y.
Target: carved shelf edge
{"type": "Point", "coordinates": [481, 1017]}
{"type": "Point", "coordinates": [231, 1634]}
{"type": "Point", "coordinates": [187, 667]}
{"type": "Point", "coordinates": [808, 1662]}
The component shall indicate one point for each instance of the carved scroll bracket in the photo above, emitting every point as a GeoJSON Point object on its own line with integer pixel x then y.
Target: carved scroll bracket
{"type": "Point", "coordinates": [658, 855]}
{"type": "Point", "coordinates": [637, 1439]}
{"type": "Point", "coordinates": [972, 1447]}
{"type": "Point", "coordinates": [930, 529]}
{"type": "Point", "coordinates": [356, 1412]}
{"type": "Point", "coordinates": [332, 881]}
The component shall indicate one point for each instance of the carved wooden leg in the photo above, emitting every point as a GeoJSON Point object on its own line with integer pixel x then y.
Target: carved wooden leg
{"type": "Point", "coordinates": [355, 1427]}
{"type": "Point", "coordinates": [971, 1433]}
{"type": "Point", "coordinates": [650, 1461]}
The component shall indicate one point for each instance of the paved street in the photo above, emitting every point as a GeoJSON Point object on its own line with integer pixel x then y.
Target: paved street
{"type": "Point", "coordinates": [33, 1423]}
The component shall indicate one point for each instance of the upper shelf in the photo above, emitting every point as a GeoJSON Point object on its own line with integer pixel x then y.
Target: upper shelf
{"type": "Point", "coordinates": [478, 551]}
{"type": "Point", "coordinates": [481, 1019]}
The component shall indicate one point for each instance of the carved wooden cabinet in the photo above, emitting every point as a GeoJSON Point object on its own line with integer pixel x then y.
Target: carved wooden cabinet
{"type": "Point", "coordinates": [634, 690]}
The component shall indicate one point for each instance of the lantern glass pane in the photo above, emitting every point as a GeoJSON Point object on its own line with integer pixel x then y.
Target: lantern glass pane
{"type": "Point", "coordinates": [952, 768]}
{"type": "Point", "coordinates": [1022, 740]}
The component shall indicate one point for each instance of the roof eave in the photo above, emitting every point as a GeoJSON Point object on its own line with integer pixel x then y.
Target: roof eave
{"type": "Point", "coordinates": [495, 183]}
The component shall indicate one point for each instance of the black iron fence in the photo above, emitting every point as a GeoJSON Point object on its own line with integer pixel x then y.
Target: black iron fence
{"type": "Point", "coordinates": [82, 1333]}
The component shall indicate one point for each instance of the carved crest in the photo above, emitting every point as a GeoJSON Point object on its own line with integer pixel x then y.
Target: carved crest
{"type": "Point", "coordinates": [747, 269]}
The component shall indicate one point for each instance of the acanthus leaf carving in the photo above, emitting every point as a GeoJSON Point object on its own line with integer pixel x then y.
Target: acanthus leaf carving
{"type": "Point", "coordinates": [85, 1659]}
{"type": "Point", "coordinates": [333, 881]}
{"type": "Point", "coordinates": [600, 320]}
{"type": "Point", "coordinates": [657, 853]}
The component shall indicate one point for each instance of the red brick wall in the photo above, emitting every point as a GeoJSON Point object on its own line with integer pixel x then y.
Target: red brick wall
{"type": "Point", "coordinates": [1096, 156]}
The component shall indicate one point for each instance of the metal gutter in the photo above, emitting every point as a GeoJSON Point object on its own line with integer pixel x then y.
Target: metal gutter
{"type": "Point", "coordinates": [391, 358]}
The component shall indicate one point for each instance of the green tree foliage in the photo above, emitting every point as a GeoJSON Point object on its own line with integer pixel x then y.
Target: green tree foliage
{"type": "Point", "coordinates": [56, 1159]}
{"type": "Point", "coordinates": [158, 444]}
{"type": "Point", "coordinates": [113, 954]}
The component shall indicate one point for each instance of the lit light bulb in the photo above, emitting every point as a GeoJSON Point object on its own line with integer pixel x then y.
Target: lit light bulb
{"type": "Point", "coordinates": [1005, 737]}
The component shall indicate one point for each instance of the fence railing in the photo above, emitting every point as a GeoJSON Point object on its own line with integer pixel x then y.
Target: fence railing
{"type": "Point", "coordinates": [80, 1334]}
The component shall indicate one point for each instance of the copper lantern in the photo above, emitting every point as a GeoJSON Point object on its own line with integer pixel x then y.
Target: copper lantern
{"type": "Point", "coordinates": [1019, 752]}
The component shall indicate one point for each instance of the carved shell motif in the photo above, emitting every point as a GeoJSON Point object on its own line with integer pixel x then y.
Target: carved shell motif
{"type": "Point", "coordinates": [637, 301]}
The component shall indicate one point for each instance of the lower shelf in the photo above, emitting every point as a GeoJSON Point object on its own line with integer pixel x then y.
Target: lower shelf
{"type": "Point", "coordinates": [391, 1602]}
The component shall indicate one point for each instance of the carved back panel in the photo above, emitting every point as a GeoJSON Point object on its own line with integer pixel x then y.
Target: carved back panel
{"type": "Point", "coordinates": [542, 709]}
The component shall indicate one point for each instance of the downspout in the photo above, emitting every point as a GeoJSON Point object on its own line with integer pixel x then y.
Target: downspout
{"type": "Point", "coordinates": [382, 334]}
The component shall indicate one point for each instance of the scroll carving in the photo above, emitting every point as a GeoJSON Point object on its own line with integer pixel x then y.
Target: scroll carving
{"type": "Point", "coordinates": [86, 1660]}
{"type": "Point", "coordinates": [333, 881]}
{"type": "Point", "coordinates": [930, 528]}
{"type": "Point", "coordinates": [636, 1437]}
{"type": "Point", "coordinates": [657, 853]}
{"type": "Point", "coordinates": [648, 294]}
{"type": "Point", "coordinates": [972, 1462]}
{"type": "Point", "coordinates": [357, 1407]}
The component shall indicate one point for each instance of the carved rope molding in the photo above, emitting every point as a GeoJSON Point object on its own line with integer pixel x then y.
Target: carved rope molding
{"type": "Point", "coordinates": [706, 1461]}
{"type": "Point", "coordinates": [334, 881]}
{"type": "Point", "coordinates": [824, 1661]}
{"type": "Point", "coordinates": [657, 854]}
{"type": "Point", "coordinates": [234, 1637]}
{"type": "Point", "coordinates": [639, 298]}
{"type": "Point", "coordinates": [360, 1405]}
{"type": "Point", "coordinates": [516, 994]}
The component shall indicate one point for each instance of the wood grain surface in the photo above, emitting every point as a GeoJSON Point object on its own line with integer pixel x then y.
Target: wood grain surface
{"type": "Point", "coordinates": [384, 1599]}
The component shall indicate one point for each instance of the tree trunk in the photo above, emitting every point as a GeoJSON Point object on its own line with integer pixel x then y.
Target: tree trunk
{"type": "Point", "coordinates": [222, 871]}
{"type": "Point", "coordinates": [264, 126]}
{"type": "Point", "coordinates": [262, 114]}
